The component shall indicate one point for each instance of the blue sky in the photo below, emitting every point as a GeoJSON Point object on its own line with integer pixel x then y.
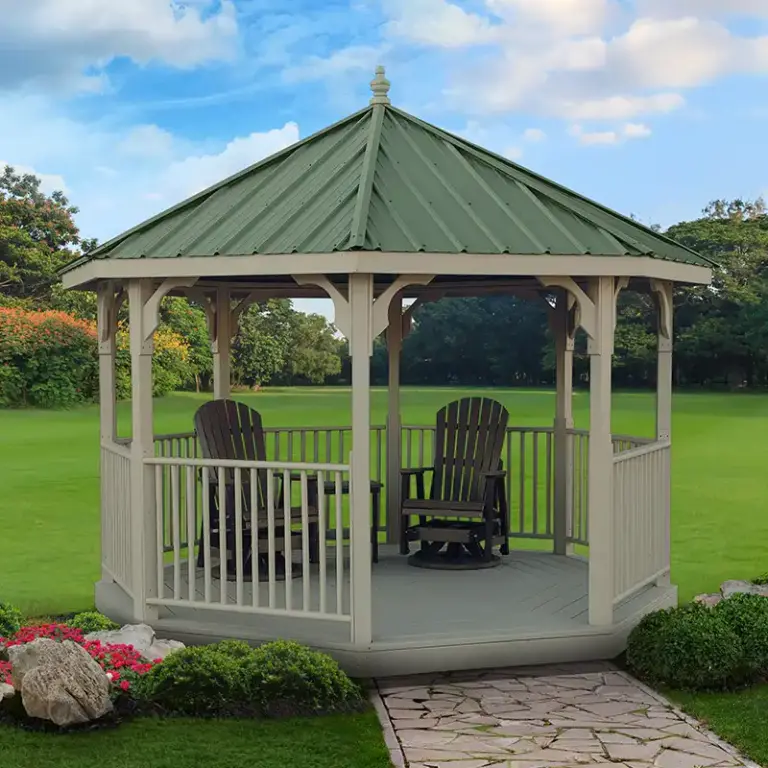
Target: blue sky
{"type": "Point", "coordinates": [653, 107]}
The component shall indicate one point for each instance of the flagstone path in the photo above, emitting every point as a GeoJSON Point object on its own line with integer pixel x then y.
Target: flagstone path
{"type": "Point", "coordinates": [541, 718]}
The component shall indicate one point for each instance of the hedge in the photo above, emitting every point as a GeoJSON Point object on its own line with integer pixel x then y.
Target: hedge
{"type": "Point", "coordinates": [50, 360]}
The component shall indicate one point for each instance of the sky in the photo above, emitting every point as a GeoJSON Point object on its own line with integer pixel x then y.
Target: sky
{"type": "Point", "coordinates": [653, 107]}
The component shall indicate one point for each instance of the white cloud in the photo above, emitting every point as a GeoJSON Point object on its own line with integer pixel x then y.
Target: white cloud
{"type": "Point", "coordinates": [512, 153]}
{"type": "Point", "coordinates": [593, 137]}
{"type": "Point", "coordinates": [534, 135]}
{"type": "Point", "coordinates": [586, 59]}
{"type": "Point", "coordinates": [69, 42]}
{"type": "Point", "coordinates": [196, 172]}
{"type": "Point", "coordinates": [356, 58]}
{"type": "Point", "coordinates": [701, 8]}
{"type": "Point", "coordinates": [621, 107]}
{"type": "Point", "coordinates": [627, 131]}
{"type": "Point", "coordinates": [115, 189]}
{"type": "Point", "coordinates": [636, 131]}
{"type": "Point", "coordinates": [565, 17]}
{"type": "Point", "coordinates": [147, 141]}
{"type": "Point", "coordinates": [438, 23]}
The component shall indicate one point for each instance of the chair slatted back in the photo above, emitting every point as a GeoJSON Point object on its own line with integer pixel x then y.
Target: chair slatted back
{"type": "Point", "coordinates": [230, 430]}
{"type": "Point", "coordinates": [468, 441]}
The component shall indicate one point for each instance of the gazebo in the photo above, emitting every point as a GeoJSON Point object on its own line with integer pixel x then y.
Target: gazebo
{"type": "Point", "coordinates": [379, 208]}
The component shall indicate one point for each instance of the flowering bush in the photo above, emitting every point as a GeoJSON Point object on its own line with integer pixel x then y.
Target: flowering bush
{"type": "Point", "coordinates": [47, 359]}
{"type": "Point", "coordinates": [122, 663]}
{"type": "Point", "coordinates": [171, 366]}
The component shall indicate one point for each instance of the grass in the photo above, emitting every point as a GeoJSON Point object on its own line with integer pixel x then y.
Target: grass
{"type": "Point", "coordinates": [50, 463]}
{"type": "Point", "coordinates": [739, 718]}
{"type": "Point", "coordinates": [329, 742]}
{"type": "Point", "coordinates": [49, 519]}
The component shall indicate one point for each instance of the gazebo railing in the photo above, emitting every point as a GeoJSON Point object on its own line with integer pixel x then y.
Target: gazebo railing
{"type": "Point", "coordinates": [218, 512]}
{"type": "Point", "coordinates": [641, 508]}
{"type": "Point", "coordinates": [528, 456]}
{"type": "Point", "coordinates": [116, 541]}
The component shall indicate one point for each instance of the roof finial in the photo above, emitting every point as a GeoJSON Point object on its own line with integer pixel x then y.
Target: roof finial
{"type": "Point", "coordinates": [380, 87]}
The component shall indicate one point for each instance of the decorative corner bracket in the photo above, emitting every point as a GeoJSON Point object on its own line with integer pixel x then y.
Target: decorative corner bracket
{"type": "Point", "coordinates": [584, 314]}
{"type": "Point", "coordinates": [109, 299]}
{"type": "Point", "coordinates": [151, 309]}
{"type": "Point", "coordinates": [663, 292]}
{"type": "Point", "coordinates": [619, 286]}
{"type": "Point", "coordinates": [342, 318]}
{"type": "Point", "coordinates": [380, 310]}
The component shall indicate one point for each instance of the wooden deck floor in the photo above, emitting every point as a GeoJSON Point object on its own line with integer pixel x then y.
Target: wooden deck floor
{"type": "Point", "coordinates": [529, 594]}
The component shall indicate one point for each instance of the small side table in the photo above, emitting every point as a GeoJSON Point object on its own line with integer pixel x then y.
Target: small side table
{"type": "Point", "coordinates": [329, 488]}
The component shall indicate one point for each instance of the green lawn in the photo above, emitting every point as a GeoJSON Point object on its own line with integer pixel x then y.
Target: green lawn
{"type": "Point", "coordinates": [739, 718]}
{"type": "Point", "coordinates": [329, 742]}
{"type": "Point", "coordinates": [49, 470]}
{"type": "Point", "coordinates": [49, 521]}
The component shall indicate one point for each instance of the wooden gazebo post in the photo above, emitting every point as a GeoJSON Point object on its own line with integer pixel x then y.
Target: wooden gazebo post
{"type": "Point", "coordinates": [600, 474]}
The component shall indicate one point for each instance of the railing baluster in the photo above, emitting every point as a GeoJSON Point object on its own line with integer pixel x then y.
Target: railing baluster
{"type": "Point", "coordinates": [255, 586]}
{"type": "Point", "coordinates": [207, 575]}
{"type": "Point", "coordinates": [272, 555]}
{"type": "Point", "coordinates": [287, 529]}
{"type": "Point", "coordinates": [305, 572]}
{"type": "Point", "coordinates": [160, 530]}
{"type": "Point", "coordinates": [322, 528]}
{"type": "Point", "coordinates": [238, 536]}
{"type": "Point", "coordinates": [222, 489]}
{"type": "Point", "coordinates": [522, 482]}
{"type": "Point", "coordinates": [191, 476]}
{"type": "Point", "coordinates": [535, 481]}
{"type": "Point", "coordinates": [339, 546]}
{"type": "Point", "coordinates": [176, 531]}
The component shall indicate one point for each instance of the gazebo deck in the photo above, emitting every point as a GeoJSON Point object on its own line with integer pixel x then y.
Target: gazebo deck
{"type": "Point", "coordinates": [530, 599]}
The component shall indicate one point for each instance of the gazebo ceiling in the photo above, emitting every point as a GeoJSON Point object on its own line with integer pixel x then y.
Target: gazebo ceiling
{"type": "Point", "coordinates": [382, 180]}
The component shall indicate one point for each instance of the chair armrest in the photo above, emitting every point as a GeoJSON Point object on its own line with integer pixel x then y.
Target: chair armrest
{"type": "Point", "coordinates": [415, 471]}
{"type": "Point", "coordinates": [497, 475]}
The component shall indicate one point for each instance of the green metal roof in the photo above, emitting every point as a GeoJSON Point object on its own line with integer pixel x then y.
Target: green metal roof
{"type": "Point", "coordinates": [383, 180]}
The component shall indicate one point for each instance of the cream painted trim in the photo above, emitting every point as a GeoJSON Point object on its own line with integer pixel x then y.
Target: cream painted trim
{"type": "Point", "coordinates": [586, 317]}
{"type": "Point", "coordinates": [380, 310]}
{"type": "Point", "coordinates": [152, 305]}
{"type": "Point", "coordinates": [368, 262]}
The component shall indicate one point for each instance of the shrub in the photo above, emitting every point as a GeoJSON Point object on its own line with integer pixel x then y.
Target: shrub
{"type": "Point", "coordinates": [202, 680]}
{"type": "Point", "coordinates": [231, 678]}
{"type": "Point", "coordinates": [10, 620]}
{"type": "Point", "coordinates": [48, 359]}
{"type": "Point", "coordinates": [171, 366]}
{"type": "Point", "coordinates": [290, 678]}
{"type": "Point", "coordinates": [690, 648]}
{"type": "Point", "coordinates": [92, 621]}
{"type": "Point", "coordinates": [747, 616]}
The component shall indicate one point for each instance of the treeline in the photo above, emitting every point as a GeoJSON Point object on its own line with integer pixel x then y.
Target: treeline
{"type": "Point", "coordinates": [721, 331]}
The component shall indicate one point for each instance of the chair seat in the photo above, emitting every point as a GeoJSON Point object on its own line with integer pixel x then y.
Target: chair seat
{"type": "Point", "coordinates": [436, 507]}
{"type": "Point", "coordinates": [279, 519]}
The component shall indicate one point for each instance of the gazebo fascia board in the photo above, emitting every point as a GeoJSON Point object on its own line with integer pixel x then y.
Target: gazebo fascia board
{"type": "Point", "coordinates": [390, 263]}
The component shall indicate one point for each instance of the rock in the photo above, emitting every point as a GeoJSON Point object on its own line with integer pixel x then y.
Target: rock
{"type": "Point", "coordinates": [60, 682]}
{"type": "Point", "coordinates": [6, 691]}
{"type": "Point", "coordinates": [141, 637]}
{"type": "Point", "coordinates": [161, 648]}
{"type": "Point", "coordinates": [734, 587]}
{"type": "Point", "coordinates": [709, 600]}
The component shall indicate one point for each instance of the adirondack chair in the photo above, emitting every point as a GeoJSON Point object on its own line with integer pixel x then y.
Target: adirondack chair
{"type": "Point", "coordinates": [466, 509]}
{"type": "Point", "coordinates": [230, 430]}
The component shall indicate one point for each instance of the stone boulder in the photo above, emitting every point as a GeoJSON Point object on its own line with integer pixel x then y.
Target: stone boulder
{"type": "Point", "coordinates": [709, 600]}
{"type": "Point", "coordinates": [59, 682]}
{"type": "Point", "coordinates": [734, 587]}
{"type": "Point", "coordinates": [141, 637]}
{"type": "Point", "coordinates": [6, 691]}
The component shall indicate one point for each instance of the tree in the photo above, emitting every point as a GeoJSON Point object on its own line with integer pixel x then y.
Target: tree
{"type": "Point", "coordinates": [38, 236]}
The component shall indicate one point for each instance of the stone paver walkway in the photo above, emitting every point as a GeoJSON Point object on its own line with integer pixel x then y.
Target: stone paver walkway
{"type": "Point", "coordinates": [542, 718]}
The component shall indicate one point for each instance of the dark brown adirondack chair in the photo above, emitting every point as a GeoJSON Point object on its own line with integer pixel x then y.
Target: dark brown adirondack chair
{"type": "Point", "coordinates": [230, 430]}
{"type": "Point", "coordinates": [466, 509]}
